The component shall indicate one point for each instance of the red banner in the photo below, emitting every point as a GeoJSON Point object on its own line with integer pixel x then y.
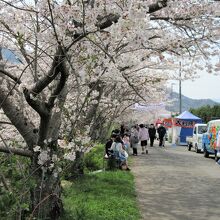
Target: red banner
{"type": "Point", "coordinates": [167, 122]}
{"type": "Point", "coordinates": [183, 123]}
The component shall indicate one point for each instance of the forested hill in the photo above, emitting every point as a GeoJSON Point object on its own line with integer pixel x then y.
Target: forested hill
{"type": "Point", "coordinates": [187, 103]}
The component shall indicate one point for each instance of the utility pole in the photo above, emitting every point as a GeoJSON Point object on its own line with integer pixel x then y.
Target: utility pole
{"type": "Point", "coordinates": [180, 92]}
{"type": "Point", "coordinates": [171, 94]}
{"type": "Point", "coordinates": [172, 120]}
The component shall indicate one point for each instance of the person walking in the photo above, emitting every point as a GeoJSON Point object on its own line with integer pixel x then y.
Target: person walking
{"type": "Point", "coordinates": [161, 133]}
{"type": "Point", "coordinates": [144, 137]}
{"type": "Point", "coordinates": [152, 134]}
{"type": "Point", "coordinates": [134, 139]}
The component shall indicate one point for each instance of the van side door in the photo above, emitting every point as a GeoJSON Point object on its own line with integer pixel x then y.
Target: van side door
{"type": "Point", "coordinates": [195, 135]}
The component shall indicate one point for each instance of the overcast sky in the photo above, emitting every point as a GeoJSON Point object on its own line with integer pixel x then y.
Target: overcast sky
{"type": "Point", "coordinates": [205, 87]}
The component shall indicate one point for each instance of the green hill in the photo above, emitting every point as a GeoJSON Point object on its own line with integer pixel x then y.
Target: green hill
{"type": "Point", "coordinates": [187, 102]}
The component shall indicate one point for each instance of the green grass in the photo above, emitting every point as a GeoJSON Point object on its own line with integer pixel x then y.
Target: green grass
{"type": "Point", "coordinates": [94, 159]}
{"type": "Point", "coordinates": [105, 195]}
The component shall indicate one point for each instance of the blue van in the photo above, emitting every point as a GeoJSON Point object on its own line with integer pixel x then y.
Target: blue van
{"type": "Point", "coordinates": [211, 139]}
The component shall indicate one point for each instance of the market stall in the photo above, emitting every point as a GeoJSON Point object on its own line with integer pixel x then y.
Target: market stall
{"type": "Point", "coordinates": [183, 126]}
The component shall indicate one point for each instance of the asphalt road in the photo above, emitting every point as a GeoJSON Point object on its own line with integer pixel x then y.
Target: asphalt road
{"type": "Point", "coordinates": [177, 184]}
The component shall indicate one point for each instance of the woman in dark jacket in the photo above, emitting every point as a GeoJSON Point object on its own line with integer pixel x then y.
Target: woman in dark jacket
{"type": "Point", "coordinates": [152, 133]}
{"type": "Point", "coordinates": [161, 132]}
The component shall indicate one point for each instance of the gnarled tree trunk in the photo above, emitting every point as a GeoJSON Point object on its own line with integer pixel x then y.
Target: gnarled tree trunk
{"type": "Point", "coordinates": [46, 195]}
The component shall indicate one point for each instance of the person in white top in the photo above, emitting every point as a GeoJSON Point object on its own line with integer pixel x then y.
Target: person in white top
{"type": "Point", "coordinates": [143, 137]}
{"type": "Point", "coordinates": [120, 153]}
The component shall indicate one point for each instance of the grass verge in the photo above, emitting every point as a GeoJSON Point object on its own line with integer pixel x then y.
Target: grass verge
{"type": "Point", "coordinates": [105, 195]}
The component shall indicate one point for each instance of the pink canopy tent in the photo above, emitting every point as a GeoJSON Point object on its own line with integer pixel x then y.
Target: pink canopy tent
{"type": "Point", "coordinates": [158, 121]}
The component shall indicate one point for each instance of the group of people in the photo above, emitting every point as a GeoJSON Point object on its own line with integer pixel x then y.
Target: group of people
{"type": "Point", "coordinates": [124, 139]}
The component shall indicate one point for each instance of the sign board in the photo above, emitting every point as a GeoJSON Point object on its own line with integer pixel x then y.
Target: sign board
{"type": "Point", "coordinates": [183, 123]}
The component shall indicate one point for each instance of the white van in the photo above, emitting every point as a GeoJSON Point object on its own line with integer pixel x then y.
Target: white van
{"type": "Point", "coordinates": [196, 139]}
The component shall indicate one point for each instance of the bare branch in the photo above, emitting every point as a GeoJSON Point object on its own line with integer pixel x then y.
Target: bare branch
{"type": "Point", "coordinates": [52, 21]}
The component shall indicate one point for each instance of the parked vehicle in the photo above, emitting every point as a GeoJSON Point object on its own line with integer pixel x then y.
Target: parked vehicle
{"type": "Point", "coordinates": [211, 139]}
{"type": "Point", "coordinates": [196, 139]}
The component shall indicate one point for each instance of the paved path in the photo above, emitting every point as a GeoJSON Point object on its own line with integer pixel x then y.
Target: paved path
{"type": "Point", "coordinates": [176, 184]}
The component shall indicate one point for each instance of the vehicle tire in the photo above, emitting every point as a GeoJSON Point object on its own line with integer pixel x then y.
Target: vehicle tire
{"type": "Point", "coordinates": [206, 153]}
{"type": "Point", "coordinates": [196, 149]}
{"type": "Point", "coordinates": [189, 147]}
{"type": "Point", "coordinates": [216, 158]}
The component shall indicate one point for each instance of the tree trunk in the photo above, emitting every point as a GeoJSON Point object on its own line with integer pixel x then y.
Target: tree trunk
{"type": "Point", "coordinates": [46, 195]}
{"type": "Point", "coordinates": [97, 130]}
{"type": "Point", "coordinates": [77, 168]}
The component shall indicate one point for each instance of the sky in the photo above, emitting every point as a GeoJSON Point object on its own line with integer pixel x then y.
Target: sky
{"type": "Point", "coordinates": [205, 87]}
{"type": "Point", "coordinates": [9, 55]}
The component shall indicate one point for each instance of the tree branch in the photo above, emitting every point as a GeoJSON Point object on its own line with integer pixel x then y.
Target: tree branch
{"type": "Point", "coordinates": [56, 118]}
{"type": "Point", "coordinates": [53, 72]}
{"type": "Point", "coordinates": [107, 21]}
{"type": "Point", "coordinates": [43, 108]}
{"type": "Point", "coordinates": [17, 80]}
{"type": "Point", "coordinates": [5, 122]}
{"type": "Point", "coordinates": [40, 107]}
{"type": "Point", "coordinates": [16, 151]}
{"type": "Point", "coordinates": [157, 6]}
{"type": "Point", "coordinates": [132, 86]}
{"type": "Point", "coordinates": [170, 19]}
{"type": "Point", "coordinates": [3, 180]}
{"type": "Point", "coordinates": [15, 115]}
{"type": "Point", "coordinates": [60, 85]}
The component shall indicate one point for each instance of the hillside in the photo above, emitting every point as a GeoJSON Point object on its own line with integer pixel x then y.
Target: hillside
{"type": "Point", "coordinates": [187, 103]}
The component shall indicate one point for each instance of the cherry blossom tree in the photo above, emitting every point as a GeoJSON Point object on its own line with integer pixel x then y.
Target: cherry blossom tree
{"type": "Point", "coordinates": [83, 63]}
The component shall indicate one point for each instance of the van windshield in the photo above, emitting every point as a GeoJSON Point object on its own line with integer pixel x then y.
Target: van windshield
{"type": "Point", "coordinates": [202, 129]}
